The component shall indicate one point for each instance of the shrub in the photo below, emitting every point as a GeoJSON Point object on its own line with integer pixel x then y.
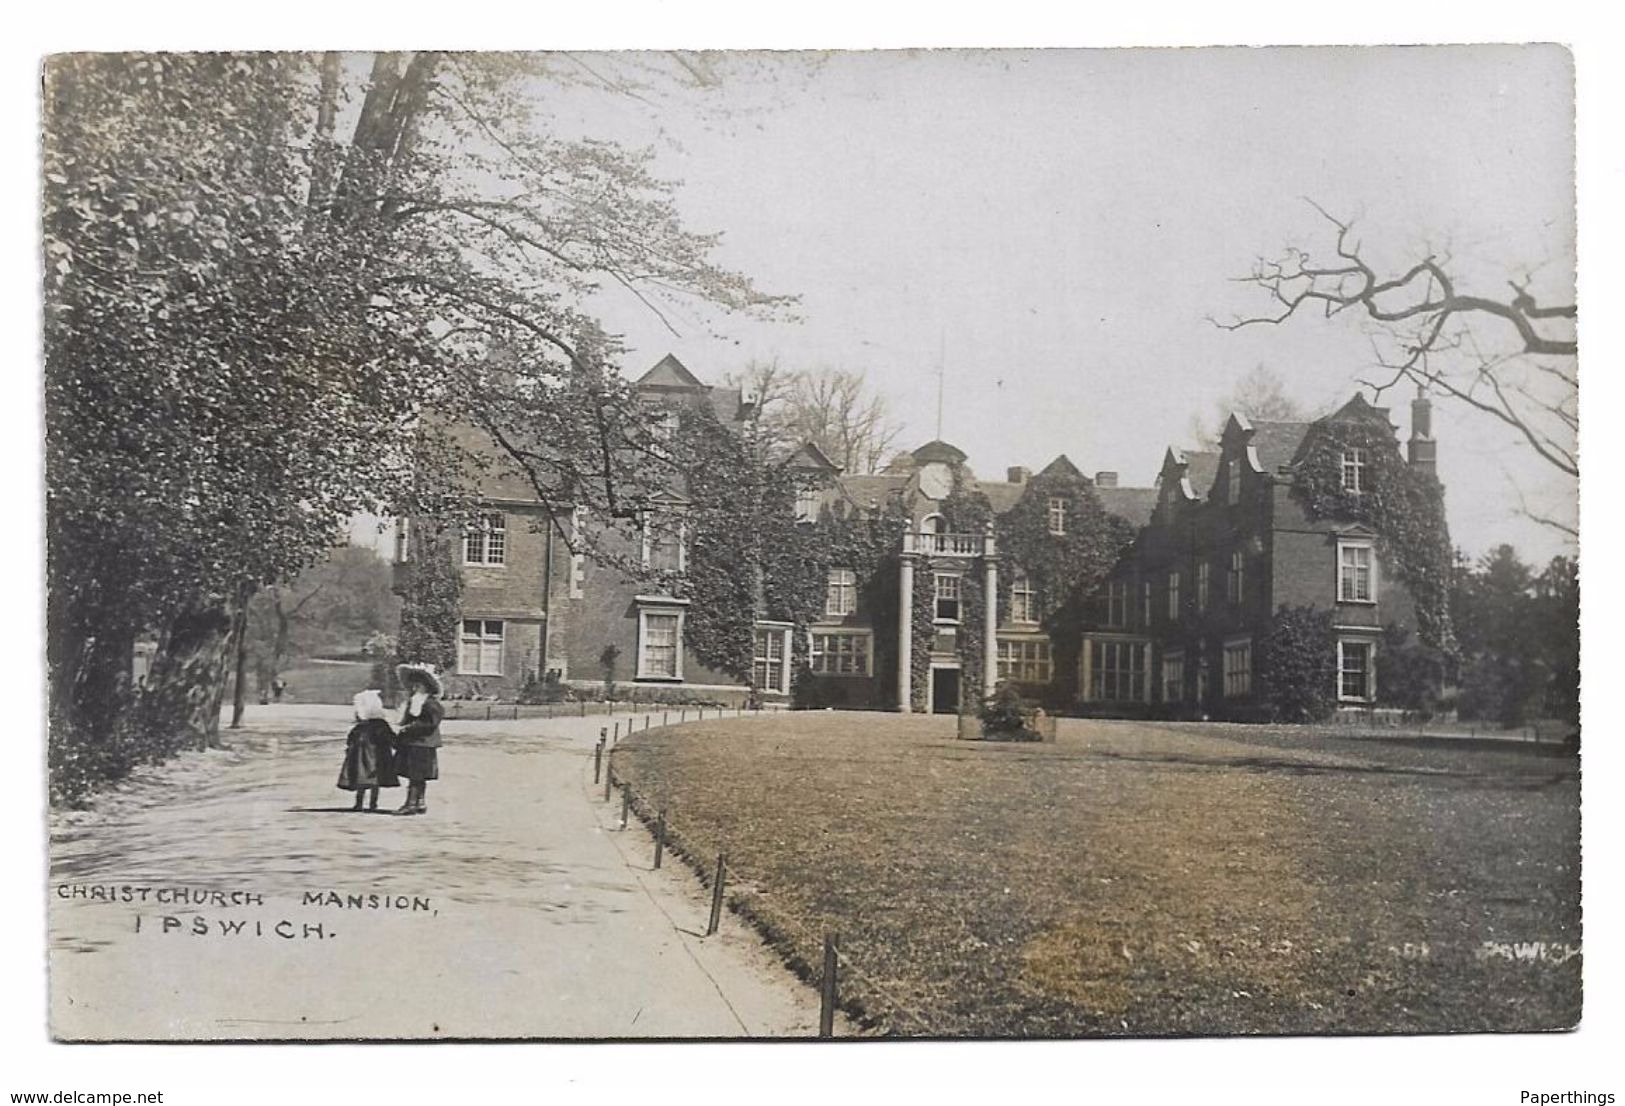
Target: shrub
{"type": "Point", "coordinates": [1297, 666]}
{"type": "Point", "coordinates": [1005, 715]}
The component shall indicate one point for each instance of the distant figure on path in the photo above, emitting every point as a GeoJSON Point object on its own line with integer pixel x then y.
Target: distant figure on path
{"type": "Point", "coordinates": [418, 740]}
{"type": "Point", "coordinates": [369, 753]}
{"type": "Point", "coordinates": [278, 686]}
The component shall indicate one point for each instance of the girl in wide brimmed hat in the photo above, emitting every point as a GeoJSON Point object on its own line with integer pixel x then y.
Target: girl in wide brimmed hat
{"type": "Point", "coordinates": [369, 755]}
{"type": "Point", "coordinates": [418, 740]}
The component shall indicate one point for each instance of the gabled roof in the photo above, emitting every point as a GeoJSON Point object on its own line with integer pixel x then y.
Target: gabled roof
{"type": "Point", "coordinates": [1061, 466]}
{"type": "Point", "coordinates": [669, 372]}
{"type": "Point", "coordinates": [1358, 409]}
{"type": "Point", "coordinates": [1277, 442]}
{"type": "Point", "coordinates": [1133, 505]}
{"type": "Point", "coordinates": [809, 456]}
{"type": "Point", "coordinates": [1001, 494]}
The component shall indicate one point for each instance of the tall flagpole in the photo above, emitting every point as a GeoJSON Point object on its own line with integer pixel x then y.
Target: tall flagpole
{"type": "Point", "coordinates": [942, 368]}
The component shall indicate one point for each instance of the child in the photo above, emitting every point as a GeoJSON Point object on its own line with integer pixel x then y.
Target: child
{"type": "Point", "coordinates": [418, 743]}
{"type": "Point", "coordinates": [369, 757]}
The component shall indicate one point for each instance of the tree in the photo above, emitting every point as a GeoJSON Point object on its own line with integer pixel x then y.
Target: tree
{"type": "Point", "coordinates": [1260, 394]}
{"type": "Point", "coordinates": [257, 327]}
{"type": "Point", "coordinates": [1509, 356]}
{"type": "Point", "coordinates": [832, 408]}
{"type": "Point", "coordinates": [1520, 639]}
{"type": "Point", "coordinates": [332, 607]}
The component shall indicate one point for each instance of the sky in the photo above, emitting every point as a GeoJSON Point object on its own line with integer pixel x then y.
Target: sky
{"type": "Point", "coordinates": [1054, 231]}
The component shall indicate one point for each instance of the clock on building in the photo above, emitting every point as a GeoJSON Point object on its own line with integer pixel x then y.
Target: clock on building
{"type": "Point", "coordinates": [936, 480]}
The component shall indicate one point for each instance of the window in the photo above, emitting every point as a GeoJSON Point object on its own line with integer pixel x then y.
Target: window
{"type": "Point", "coordinates": [1057, 516]}
{"type": "Point", "coordinates": [486, 542]}
{"type": "Point", "coordinates": [1354, 671]}
{"type": "Point", "coordinates": [1117, 603]}
{"type": "Point", "coordinates": [578, 558]}
{"type": "Point", "coordinates": [1238, 575]}
{"type": "Point", "coordinates": [947, 597]}
{"type": "Point", "coordinates": [659, 645]}
{"type": "Point", "coordinates": [1238, 669]}
{"type": "Point", "coordinates": [1023, 599]}
{"type": "Point", "coordinates": [1203, 571]}
{"type": "Point", "coordinates": [1173, 596]}
{"type": "Point", "coordinates": [663, 544]}
{"type": "Point", "coordinates": [662, 432]}
{"type": "Point", "coordinates": [1232, 482]}
{"type": "Point", "coordinates": [841, 592]}
{"type": "Point", "coordinates": [840, 654]}
{"type": "Point", "coordinates": [1354, 475]}
{"type": "Point", "coordinates": [403, 541]}
{"type": "Point", "coordinates": [770, 656]}
{"type": "Point", "coordinates": [1025, 662]}
{"type": "Point", "coordinates": [480, 647]}
{"type": "Point", "coordinates": [1119, 671]}
{"type": "Point", "coordinates": [1145, 604]}
{"type": "Point", "coordinates": [1173, 677]}
{"type": "Point", "coordinates": [1356, 573]}
{"type": "Point", "coordinates": [807, 501]}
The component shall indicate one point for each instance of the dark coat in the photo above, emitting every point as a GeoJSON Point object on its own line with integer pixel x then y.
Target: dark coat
{"type": "Point", "coordinates": [369, 757]}
{"type": "Point", "coordinates": [421, 730]}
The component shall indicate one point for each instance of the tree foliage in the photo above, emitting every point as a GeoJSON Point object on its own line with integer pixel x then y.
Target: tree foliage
{"type": "Point", "coordinates": [831, 408]}
{"type": "Point", "coordinates": [1520, 638]}
{"type": "Point", "coordinates": [259, 324]}
{"type": "Point", "coordinates": [1297, 666]}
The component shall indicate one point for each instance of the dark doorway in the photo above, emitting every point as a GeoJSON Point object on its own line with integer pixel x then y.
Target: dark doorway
{"type": "Point", "coordinates": [945, 691]}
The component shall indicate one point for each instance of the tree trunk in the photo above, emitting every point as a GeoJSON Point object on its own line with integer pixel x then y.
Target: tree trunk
{"type": "Point", "coordinates": [239, 697]}
{"type": "Point", "coordinates": [189, 672]}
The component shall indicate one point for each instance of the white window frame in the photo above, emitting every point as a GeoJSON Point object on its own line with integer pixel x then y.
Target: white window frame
{"type": "Point", "coordinates": [1173, 597]}
{"type": "Point", "coordinates": [1025, 660]}
{"type": "Point", "coordinates": [764, 634]}
{"type": "Point", "coordinates": [1236, 584]}
{"type": "Point", "coordinates": [1232, 482]}
{"type": "Point", "coordinates": [1237, 672]}
{"type": "Point", "coordinates": [1204, 579]}
{"type": "Point", "coordinates": [1023, 600]}
{"type": "Point", "coordinates": [578, 558]}
{"type": "Point", "coordinates": [1129, 674]}
{"type": "Point", "coordinates": [1173, 677]}
{"type": "Point", "coordinates": [807, 504]}
{"type": "Point", "coordinates": [485, 543]}
{"type": "Point", "coordinates": [938, 594]}
{"type": "Point", "coordinates": [1056, 514]}
{"type": "Point", "coordinates": [841, 592]}
{"type": "Point", "coordinates": [1356, 463]}
{"type": "Point", "coordinates": [1370, 648]}
{"type": "Point", "coordinates": [824, 661]}
{"type": "Point", "coordinates": [483, 641]}
{"type": "Point", "coordinates": [660, 610]}
{"type": "Point", "coordinates": [1352, 596]}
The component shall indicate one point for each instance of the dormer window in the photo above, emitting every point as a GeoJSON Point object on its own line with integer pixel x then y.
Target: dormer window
{"type": "Point", "coordinates": [1057, 516]}
{"type": "Point", "coordinates": [807, 501]}
{"type": "Point", "coordinates": [1354, 471]}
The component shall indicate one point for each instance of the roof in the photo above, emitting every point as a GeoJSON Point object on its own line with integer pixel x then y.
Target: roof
{"type": "Point", "coordinates": [1276, 443]}
{"type": "Point", "coordinates": [866, 489]}
{"type": "Point", "coordinates": [669, 372]}
{"type": "Point", "coordinates": [809, 456]}
{"type": "Point", "coordinates": [939, 450]}
{"type": "Point", "coordinates": [1001, 494]}
{"type": "Point", "coordinates": [1061, 466]}
{"type": "Point", "coordinates": [1133, 505]}
{"type": "Point", "coordinates": [1201, 466]}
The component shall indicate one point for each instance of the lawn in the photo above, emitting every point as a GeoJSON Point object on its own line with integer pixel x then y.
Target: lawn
{"type": "Point", "coordinates": [1137, 878]}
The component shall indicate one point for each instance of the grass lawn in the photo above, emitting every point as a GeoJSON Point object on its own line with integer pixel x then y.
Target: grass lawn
{"type": "Point", "coordinates": [1139, 878]}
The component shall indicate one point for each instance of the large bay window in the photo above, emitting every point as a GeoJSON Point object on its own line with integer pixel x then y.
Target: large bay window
{"type": "Point", "coordinates": [1024, 660]}
{"type": "Point", "coordinates": [841, 653]}
{"type": "Point", "coordinates": [1117, 670]}
{"type": "Point", "coordinates": [479, 647]}
{"type": "Point", "coordinates": [1356, 572]}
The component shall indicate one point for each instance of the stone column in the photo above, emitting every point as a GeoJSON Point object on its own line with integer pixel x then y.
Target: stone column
{"type": "Point", "coordinates": [990, 623]}
{"type": "Point", "coordinates": [905, 634]}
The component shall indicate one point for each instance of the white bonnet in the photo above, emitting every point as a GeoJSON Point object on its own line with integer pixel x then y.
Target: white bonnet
{"type": "Point", "coordinates": [368, 704]}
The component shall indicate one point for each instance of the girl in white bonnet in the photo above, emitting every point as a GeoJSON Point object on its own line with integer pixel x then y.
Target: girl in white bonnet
{"type": "Point", "coordinates": [369, 758]}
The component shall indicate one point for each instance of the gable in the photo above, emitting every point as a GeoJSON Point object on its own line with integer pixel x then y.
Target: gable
{"type": "Point", "coordinates": [1061, 466]}
{"type": "Point", "coordinates": [669, 372]}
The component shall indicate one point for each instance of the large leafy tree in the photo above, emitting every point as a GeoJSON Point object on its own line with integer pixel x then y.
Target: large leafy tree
{"type": "Point", "coordinates": [273, 282]}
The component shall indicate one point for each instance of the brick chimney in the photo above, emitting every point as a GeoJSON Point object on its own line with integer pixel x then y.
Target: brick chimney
{"type": "Point", "coordinates": [1105, 480]}
{"type": "Point", "coordinates": [1018, 474]}
{"type": "Point", "coordinates": [1422, 451]}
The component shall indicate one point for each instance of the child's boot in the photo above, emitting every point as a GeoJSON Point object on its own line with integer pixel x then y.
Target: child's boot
{"type": "Point", "coordinates": [372, 801]}
{"type": "Point", "coordinates": [410, 806]}
{"type": "Point", "coordinates": [423, 806]}
{"type": "Point", "coordinates": [360, 794]}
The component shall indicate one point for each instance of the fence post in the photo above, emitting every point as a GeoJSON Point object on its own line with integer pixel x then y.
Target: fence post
{"type": "Point", "coordinates": [597, 758]}
{"type": "Point", "coordinates": [682, 715]}
{"type": "Point", "coordinates": [716, 895]}
{"type": "Point", "coordinates": [660, 838]}
{"type": "Point", "coordinates": [626, 804]}
{"type": "Point", "coordinates": [665, 718]}
{"type": "Point", "coordinates": [826, 989]}
{"type": "Point", "coordinates": [609, 782]}
{"type": "Point", "coordinates": [646, 719]}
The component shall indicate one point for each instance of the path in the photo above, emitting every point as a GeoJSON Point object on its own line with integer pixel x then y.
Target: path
{"type": "Point", "coordinates": [517, 906]}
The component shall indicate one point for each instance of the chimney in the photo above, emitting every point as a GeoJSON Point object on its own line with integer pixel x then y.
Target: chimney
{"type": "Point", "coordinates": [1422, 450]}
{"type": "Point", "coordinates": [1018, 474]}
{"type": "Point", "coordinates": [1105, 480]}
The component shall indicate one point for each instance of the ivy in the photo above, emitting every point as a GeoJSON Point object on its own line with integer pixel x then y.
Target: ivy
{"type": "Point", "coordinates": [1297, 666]}
{"type": "Point", "coordinates": [1403, 503]}
{"type": "Point", "coordinates": [431, 609]}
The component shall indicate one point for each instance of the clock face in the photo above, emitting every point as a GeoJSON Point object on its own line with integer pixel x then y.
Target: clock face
{"type": "Point", "coordinates": [936, 481]}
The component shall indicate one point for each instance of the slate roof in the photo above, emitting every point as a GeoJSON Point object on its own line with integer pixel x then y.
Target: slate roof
{"type": "Point", "coordinates": [669, 372]}
{"type": "Point", "coordinates": [1276, 442]}
{"type": "Point", "coordinates": [1133, 505]}
{"type": "Point", "coordinates": [1201, 466]}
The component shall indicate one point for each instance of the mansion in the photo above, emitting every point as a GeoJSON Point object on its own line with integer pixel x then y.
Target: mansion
{"type": "Point", "coordinates": [1087, 595]}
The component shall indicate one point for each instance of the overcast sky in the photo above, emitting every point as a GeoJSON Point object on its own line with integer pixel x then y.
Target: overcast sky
{"type": "Point", "coordinates": [1054, 228]}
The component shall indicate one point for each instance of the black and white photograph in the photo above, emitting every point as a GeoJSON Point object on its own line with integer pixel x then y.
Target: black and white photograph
{"type": "Point", "coordinates": [862, 546]}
